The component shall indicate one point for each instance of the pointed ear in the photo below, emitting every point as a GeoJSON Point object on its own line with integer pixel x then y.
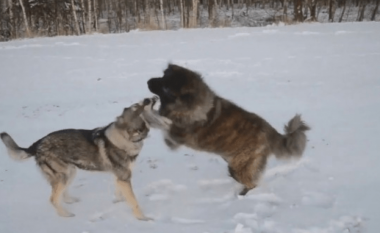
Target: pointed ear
{"type": "Point", "coordinates": [137, 109]}
{"type": "Point", "coordinates": [119, 120]}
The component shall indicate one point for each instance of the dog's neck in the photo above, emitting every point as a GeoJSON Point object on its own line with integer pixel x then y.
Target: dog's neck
{"type": "Point", "coordinates": [120, 139]}
{"type": "Point", "coordinates": [196, 116]}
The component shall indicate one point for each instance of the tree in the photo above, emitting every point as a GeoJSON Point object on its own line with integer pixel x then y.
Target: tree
{"type": "Point", "coordinates": [285, 11]}
{"type": "Point", "coordinates": [11, 20]}
{"type": "Point", "coordinates": [375, 10]}
{"type": "Point", "coordinates": [162, 14]}
{"type": "Point", "coordinates": [298, 17]}
{"type": "Point", "coordinates": [343, 11]}
{"type": "Point", "coordinates": [95, 15]}
{"type": "Point", "coordinates": [211, 12]}
{"type": "Point", "coordinates": [89, 25]}
{"type": "Point", "coordinates": [313, 10]}
{"type": "Point", "coordinates": [25, 19]}
{"type": "Point", "coordinates": [182, 13]}
{"type": "Point", "coordinates": [76, 24]}
{"type": "Point", "coordinates": [361, 11]}
{"type": "Point", "coordinates": [331, 10]}
{"type": "Point", "coordinates": [194, 16]}
{"type": "Point", "coordinates": [83, 16]}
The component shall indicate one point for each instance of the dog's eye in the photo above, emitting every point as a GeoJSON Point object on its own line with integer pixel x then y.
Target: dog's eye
{"type": "Point", "coordinates": [139, 131]}
{"type": "Point", "coordinates": [168, 92]}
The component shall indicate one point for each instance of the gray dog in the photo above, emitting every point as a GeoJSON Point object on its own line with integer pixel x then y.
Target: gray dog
{"type": "Point", "coordinates": [113, 148]}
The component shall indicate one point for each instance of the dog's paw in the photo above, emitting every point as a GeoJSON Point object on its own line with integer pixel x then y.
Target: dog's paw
{"type": "Point", "coordinates": [149, 103]}
{"type": "Point", "coordinates": [117, 200]}
{"type": "Point", "coordinates": [144, 218]}
{"type": "Point", "coordinates": [70, 200]}
{"type": "Point", "coordinates": [167, 122]}
{"type": "Point", "coordinates": [65, 213]}
{"type": "Point", "coordinates": [172, 145]}
{"type": "Point", "coordinates": [155, 99]}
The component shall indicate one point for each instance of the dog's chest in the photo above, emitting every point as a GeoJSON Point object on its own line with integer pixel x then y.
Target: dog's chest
{"type": "Point", "coordinates": [133, 149]}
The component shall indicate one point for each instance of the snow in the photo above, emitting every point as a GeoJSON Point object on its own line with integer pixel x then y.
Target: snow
{"type": "Point", "coordinates": [327, 72]}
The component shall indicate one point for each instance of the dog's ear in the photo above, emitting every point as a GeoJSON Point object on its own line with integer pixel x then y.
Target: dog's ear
{"type": "Point", "coordinates": [137, 109]}
{"type": "Point", "coordinates": [119, 120]}
{"type": "Point", "coordinates": [170, 69]}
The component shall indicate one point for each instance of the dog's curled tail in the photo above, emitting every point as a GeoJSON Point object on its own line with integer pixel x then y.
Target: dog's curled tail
{"type": "Point", "coordinates": [14, 151]}
{"type": "Point", "coordinates": [293, 143]}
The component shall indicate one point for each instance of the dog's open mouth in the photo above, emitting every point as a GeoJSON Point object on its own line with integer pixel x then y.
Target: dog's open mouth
{"type": "Point", "coordinates": [139, 139]}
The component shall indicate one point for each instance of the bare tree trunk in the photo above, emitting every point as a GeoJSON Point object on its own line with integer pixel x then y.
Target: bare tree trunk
{"type": "Point", "coordinates": [285, 12]}
{"type": "Point", "coordinates": [147, 15]}
{"type": "Point", "coordinates": [57, 18]}
{"type": "Point", "coordinates": [127, 29]}
{"type": "Point", "coordinates": [83, 16]}
{"type": "Point", "coordinates": [215, 11]}
{"type": "Point", "coordinates": [187, 23]}
{"type": "Point", "coordinates": [11, 19]}
{"type": "Point", "coordinates": [298, 11]}
{"type": "Point", "coordinates": [157, 17]}
{"type": "Point", "coordinates": [375, 10]}
{"type": "Point", "coordinates": [75, 17]}
{"type": "Point", "coordinates": [137, 10]}
{"type": "Point", "coordinates": [313, 10]}
{"type": "Point", "coordinates": [95, 15]}
{"type": "Point", "coordinates": [211, 13]}
{"type": "Point", "coordinates": [331, 10]}
{"type": "Point", "coordinates": [119, 15]}
{"type": "Point", "coordinates": [182, 14]}
{"type": "Point", "coordinates": [89, 25]}
{"type": "Point", "coordinates": [194, 12]}
{"type": "Point", "coordinates": [361, 14]}
{"type": "Point", "coordinates": [162, 14]}
{"type": "Point", "coordinates": [343, 11]}
{"type": "Point", "coordinates": [25, 19]}
{"type": "Point", "coordinates": [232, 11]}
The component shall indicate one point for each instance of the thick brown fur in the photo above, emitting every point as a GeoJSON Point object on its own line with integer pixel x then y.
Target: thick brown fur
{"type": "Point", "coordinates": [202, 120]}
{"type": "Point", "coordinates": [113, 149]}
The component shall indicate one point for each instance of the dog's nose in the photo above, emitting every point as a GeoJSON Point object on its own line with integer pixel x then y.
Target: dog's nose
{"type": "Point", "coordinates": [150, 83]}
{"type": "Point", "coordinates": [153, 84]}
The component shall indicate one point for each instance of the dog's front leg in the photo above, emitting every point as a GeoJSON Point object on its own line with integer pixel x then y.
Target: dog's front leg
{"type": "Point", "coordinates": [118, 194]}
{"type": "Point", "coordinates": [152, 117]}
{"type": "Point", "coordinates": [126, 188]}
{"type": "Point", "coordinates": [170, 142]}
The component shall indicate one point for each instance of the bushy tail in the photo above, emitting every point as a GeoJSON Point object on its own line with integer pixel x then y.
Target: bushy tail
{"type": "Point", "coordinates": [14, 151]}
{"type": "Point", "coordinates": [293, 143]}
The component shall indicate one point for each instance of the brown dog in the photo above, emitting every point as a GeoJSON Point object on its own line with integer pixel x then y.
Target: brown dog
{"type": "Point", "coordinates": [204, 121]}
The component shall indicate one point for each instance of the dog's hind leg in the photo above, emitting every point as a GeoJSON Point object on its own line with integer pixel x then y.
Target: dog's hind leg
{"type": "Point", "coordinates": [57, 190]}
{"type": "Point", "coordinates": [66, 197]}
{"type": "Point", "coordinates": [126, 189]}
{"type": "Point", "coordinates": [57, 174]}
{"type": "Point", "coordinates": [248, 173]}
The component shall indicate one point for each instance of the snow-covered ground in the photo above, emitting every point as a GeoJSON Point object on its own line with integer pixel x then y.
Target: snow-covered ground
{"type": "Point", "coordinates": [328, 72]}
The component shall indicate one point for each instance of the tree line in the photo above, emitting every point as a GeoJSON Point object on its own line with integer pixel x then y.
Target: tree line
{"type": "Point", "coordinates": [30, 18]}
